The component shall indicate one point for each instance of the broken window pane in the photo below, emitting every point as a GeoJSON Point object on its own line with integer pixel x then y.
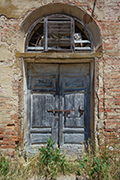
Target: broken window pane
{"type": "Point", "coordinates": [58, 32]}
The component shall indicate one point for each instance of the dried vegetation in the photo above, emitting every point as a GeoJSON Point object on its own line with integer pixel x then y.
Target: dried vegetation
{"type": "Point", "coordinates": [101, 164]}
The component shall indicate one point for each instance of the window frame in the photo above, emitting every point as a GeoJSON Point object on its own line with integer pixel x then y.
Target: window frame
{"type": "Point", "coordinates": [46, 48]}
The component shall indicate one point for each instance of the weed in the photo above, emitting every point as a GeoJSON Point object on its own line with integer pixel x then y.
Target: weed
{"type": "Point", "coordinates": [51, 159]}
{"type": "Point", "coordinates": [102, 164]}
{"type": "Point", "coordinates": [4, 165]}
{"type": "Point", "coordinates": [78, 172]}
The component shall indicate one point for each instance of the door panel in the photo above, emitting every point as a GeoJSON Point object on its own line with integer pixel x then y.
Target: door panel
{"type": "Point", "coordinates": [43, 82]}
{"type": "Point", "coordinates": [40, 104]}
{"type": "Point", "coordinates": [75, 138]}
{"type": "Point", "coordinates": [73, 82]}
{"type": "Point", "coordinates": [42, 95]}
{"type": "Point", "coordinates": [39, 138]}
{"type": "Point", "coordinates": [58, 104]}
{"type": "Point", "coordinates": [72, 102]}
{"type": "Point", "coordinates": [74, 96]}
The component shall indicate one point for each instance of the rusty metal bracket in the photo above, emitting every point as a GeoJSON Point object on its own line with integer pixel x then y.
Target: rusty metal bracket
{"type": "Point", "coordinates": [60, 111]}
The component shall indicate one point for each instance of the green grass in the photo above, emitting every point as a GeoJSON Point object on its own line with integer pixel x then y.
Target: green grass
{"type": "Point", "coordinates": [101, 164]}
{"type": "Point", "coordinates": [104, 162]}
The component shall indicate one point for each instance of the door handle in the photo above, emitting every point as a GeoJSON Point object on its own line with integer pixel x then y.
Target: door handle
{"type": "Point", "coordinates": [81, 111]}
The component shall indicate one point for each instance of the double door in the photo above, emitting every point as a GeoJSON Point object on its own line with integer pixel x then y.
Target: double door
{"type": "Point", "coordinates": [58, 105]}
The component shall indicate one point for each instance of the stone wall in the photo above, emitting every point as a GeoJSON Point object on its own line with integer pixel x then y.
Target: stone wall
{"type": "Point", "coordinates": [107, 68]}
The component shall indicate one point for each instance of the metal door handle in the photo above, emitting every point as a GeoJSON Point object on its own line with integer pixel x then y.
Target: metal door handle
{"type": "Point", "coordinates": [81, 111]}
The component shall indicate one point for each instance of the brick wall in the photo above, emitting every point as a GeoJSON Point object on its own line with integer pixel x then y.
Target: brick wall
{"type": "Point", "coordinates": [110, 28]}
{"type": "Point", "coordinates": [107, 74]}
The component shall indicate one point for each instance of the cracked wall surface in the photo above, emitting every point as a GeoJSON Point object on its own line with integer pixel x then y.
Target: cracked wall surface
{"type": "Point", "coordinates": [107, 67]}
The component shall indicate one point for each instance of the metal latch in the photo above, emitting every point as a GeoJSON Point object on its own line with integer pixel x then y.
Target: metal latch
{"type": "Point", "coordinates": [81, 111]}
{"type": "Point", "coordinates": [60, 111]}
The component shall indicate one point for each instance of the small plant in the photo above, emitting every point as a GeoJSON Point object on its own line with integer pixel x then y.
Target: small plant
{"type": "Point", "coordinates": [4, 165]}
{"type": "Point", "coordinates": [78, 172]}
{"type": "Point", "coordinates": [51, 159]}
{"type": "Point", "coordinates": [103, 163]}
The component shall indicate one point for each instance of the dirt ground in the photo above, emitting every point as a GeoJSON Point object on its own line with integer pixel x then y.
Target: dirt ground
{"type": "Point", "coordinates": [67, 177]}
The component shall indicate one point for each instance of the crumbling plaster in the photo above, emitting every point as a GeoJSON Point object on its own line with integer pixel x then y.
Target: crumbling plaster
{"type": "Point", "coordinates": [17, 8]}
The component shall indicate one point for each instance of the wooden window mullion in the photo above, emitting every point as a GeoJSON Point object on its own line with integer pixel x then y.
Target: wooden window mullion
{"type": "Point", "coordinates": [72, 45]}
{"type": "Point", "coordinates": [45, 34]}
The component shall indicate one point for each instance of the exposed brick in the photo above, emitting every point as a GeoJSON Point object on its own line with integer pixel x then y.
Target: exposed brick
{"type": "Point", "coordinates": [8, 133]}
{"type": "Point", "coordinates": [1, 136]}
{"type": "Point", "coordinates": [1, 132]}
{"type": "Point", "coordinates": [4, 146]}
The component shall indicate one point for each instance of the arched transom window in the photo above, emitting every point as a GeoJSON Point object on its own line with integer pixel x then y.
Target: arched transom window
{"type": "Point", "coordinates": [58, 32]}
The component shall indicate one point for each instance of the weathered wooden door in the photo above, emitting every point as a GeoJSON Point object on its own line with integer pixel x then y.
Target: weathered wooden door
{"type": "Point", "coordinates": [58, 105]}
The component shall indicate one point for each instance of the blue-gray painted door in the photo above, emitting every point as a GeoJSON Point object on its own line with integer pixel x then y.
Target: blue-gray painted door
{"type": "Point", "coordinates": [74, 96]}
{"type": "Point", "coordinates": [58, 105]}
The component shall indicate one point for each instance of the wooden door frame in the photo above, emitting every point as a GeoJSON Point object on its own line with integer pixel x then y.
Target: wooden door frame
{"type": "Point", "coordinates": [61, 58]}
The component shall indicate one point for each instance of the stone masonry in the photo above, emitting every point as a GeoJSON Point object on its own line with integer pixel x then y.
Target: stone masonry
{"type": "Point", "coordinates": [107, 67]}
